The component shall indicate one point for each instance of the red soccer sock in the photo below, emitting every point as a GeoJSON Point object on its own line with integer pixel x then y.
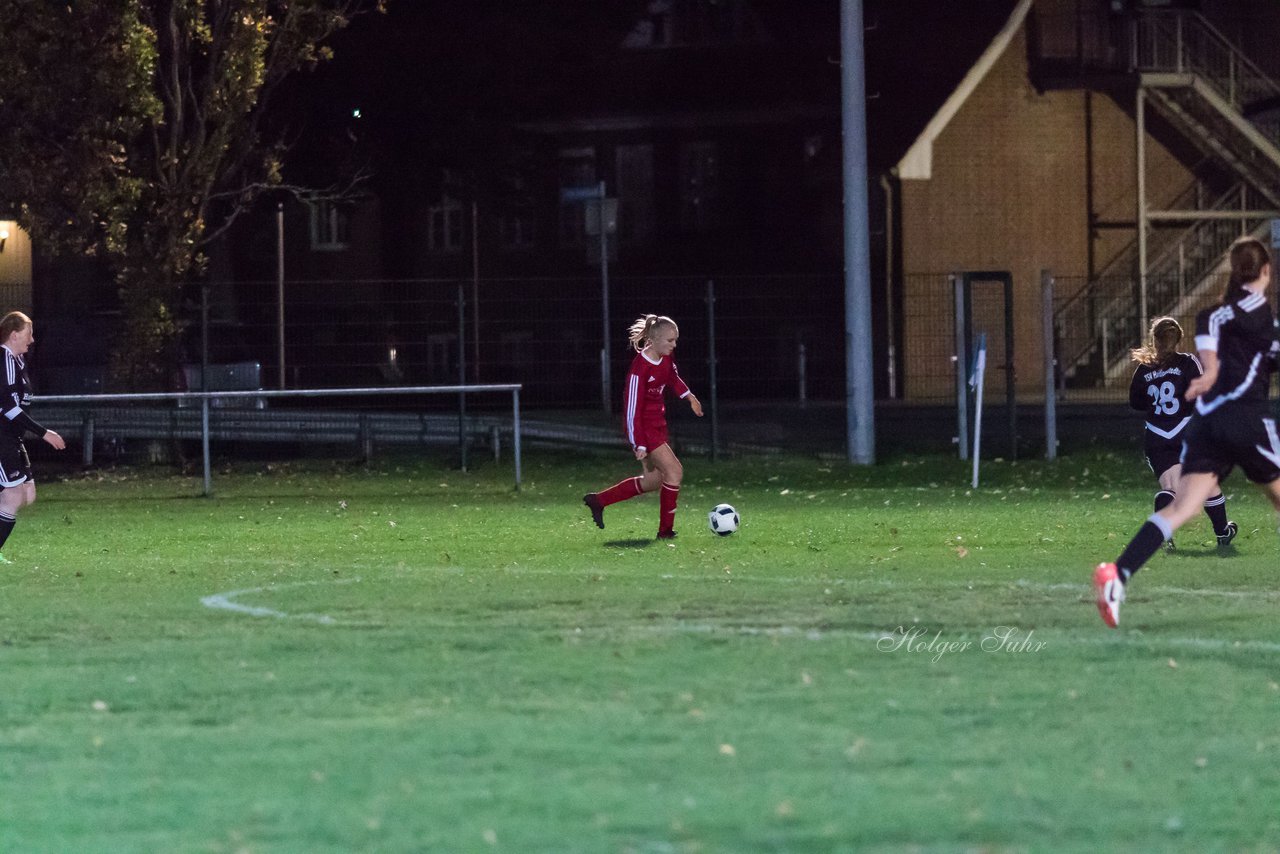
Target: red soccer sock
{"type": "Point", "coordinates": [620, 491]}
{"type": "Point", "coordinates": [669, 496]}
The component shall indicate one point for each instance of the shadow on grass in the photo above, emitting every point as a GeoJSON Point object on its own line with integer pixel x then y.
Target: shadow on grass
{"type": "Point", "coordinates": [1203, 551]}
{"type": "Point", "coordinates": [628, 544]}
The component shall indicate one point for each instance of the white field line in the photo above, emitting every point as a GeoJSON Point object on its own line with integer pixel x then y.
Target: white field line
{"type": "Point", "coordinates": [824, 577]}
{"type": "Point", "coordinates": [1048, 636]}
{"type": "Point", "coordinates": [226, 601]}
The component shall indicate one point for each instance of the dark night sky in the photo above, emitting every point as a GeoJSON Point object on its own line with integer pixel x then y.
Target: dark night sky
{"type": "Point", "coordinates": [445, 82]}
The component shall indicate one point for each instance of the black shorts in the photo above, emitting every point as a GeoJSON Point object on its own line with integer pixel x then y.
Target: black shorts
{"type": "Point", "coordinates": [1162, 454]}
{"type": "Point", "coordinates": [1230, 437]}
{"type": "Point", "coordinates": [15, 466]}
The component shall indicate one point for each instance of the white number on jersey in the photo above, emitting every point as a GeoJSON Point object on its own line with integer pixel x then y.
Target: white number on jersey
{"type": "Point", "coordinates": [1163, 399]}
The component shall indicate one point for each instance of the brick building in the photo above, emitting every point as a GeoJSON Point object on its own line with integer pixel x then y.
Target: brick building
{"type": "Point", "coordinates": [1030, 164]}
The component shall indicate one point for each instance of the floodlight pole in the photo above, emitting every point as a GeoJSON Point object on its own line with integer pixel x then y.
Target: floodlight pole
{"type": "Point", "coordinates": [859, 388]}
{"type": "Point", "coordinates": [204, 386]}
{"type": "Point", "coordinates": [1141, 174]}
{"type": "Point", "coordinates": [280, 291]}
{"type": "Point", "coordinates": [606, 383]}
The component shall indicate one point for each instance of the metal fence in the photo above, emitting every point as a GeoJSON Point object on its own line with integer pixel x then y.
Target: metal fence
{"type": "Point", "coordinates": [765, 345]}
{"type": "Point", "coordinates": [88, 418]}
{"type": "Point", "coordinates": [775, 337]}
{"type": "Point", "coordinates": [1099, 323]}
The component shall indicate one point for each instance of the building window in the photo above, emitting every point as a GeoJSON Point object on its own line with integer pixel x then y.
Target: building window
{"type": "Point", "coordinates": [577, 178]}
{"type": "Point", "coordinates": [330, 225]}
{"type": "Point", "coordinates": [444, 233]}
{"type": "Point", "coordinates": [685, 23]}
{"type": "Point", "coordinates": [813, 145]}
{"type": "Point", "coordinates": [699, 186]}
{"type": "Point", "coordinates": [517, 230]}
{"type": "Point", "coordinates": [636, 183]}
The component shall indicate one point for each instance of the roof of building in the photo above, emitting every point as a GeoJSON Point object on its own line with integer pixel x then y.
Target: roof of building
{"type": "Point", "coordinates": [918, 54]}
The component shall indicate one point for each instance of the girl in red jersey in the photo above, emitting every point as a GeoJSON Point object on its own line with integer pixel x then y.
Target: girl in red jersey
{"type": "Point", "coordinates": [644, 414]}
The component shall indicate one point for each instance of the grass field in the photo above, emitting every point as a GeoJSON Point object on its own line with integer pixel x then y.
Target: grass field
{"type": "Point", "coordinates": [327, 657]}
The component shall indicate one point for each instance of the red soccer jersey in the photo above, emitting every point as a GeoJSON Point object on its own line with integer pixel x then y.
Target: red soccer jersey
{"type": "Point", "coordinates": [644, 413]}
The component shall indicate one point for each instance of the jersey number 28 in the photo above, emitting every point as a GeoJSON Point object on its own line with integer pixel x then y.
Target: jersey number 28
{"type": "Point", "coordinates": [1163, 398]}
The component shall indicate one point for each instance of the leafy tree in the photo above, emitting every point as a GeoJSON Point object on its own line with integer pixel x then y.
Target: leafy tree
{"type": "Point", "coordinates": [137, 129]}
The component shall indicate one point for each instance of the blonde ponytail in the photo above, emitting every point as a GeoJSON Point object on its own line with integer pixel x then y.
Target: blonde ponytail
{"type": "Point", "coordinates": [646, 327]}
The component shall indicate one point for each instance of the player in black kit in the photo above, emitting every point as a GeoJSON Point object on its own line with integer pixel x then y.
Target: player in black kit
{"type": "Point", "coordinates": [1159, 389]}
{"type": "Point", "coordinates": [17, 488]}
{"type": "Point", "coordinates": [1231, 427]}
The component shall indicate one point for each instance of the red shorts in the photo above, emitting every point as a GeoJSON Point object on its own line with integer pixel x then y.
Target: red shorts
{"type": "Point", "coordinates": [652, 435]}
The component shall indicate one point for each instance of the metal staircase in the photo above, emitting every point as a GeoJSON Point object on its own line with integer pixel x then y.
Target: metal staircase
{"type": "Point", "coordinates": [1203, 84]}
{"type": "Point", "coordinates": [1205, 87]}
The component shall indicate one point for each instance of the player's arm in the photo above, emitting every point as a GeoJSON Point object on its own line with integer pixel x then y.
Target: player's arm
{"type": "Point", "coordinates": [14, 413]}
{"type": "Point", "coordinates": [683, 392]}
{"type": "Point", "coordinates": [19, 417]}
{"type": "Point", "coordinates": [1204, 382]}
{"type": "Point", "coordinates": [1209, 325]}
{"type": "Point", "coordinates": [633, 413]}
{"type": "Point", "coordinates": [1138, 398]}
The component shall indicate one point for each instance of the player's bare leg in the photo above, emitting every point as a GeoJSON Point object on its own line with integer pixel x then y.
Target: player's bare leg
{"type": "Point", "coordinates": [651, 479]}
{"type": "Point", "coordinates": [672, 473]}
{"type": "Point", "coordinates": [1273, 492]}
{"type": "Point", "coordinates": [13, 499]}
{"type": "Point", "coordinates": [1215, 507]}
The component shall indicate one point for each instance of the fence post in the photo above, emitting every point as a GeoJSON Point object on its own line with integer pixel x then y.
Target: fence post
{"type": "Point", "coordinates": [365, 437]}
{"type": "Point", "coordinates": [86, 439]}
{"type": "Point", "coordinates": [462, 375]}
{"type": "Point", "coordinates": [1106, 349]}
{"type": "Point", "coordinates": [714, 393]}
{"type": "Point", "coordinates": [1050, 363]}
{"type": "Point", "coordinates": [204, 389]}
{"type": "Point", "coordinates": [803, 379]}
{"type": "Point", "coordinates": [515, 432]}
{"type": "Point", "coordinates": [961, 358]}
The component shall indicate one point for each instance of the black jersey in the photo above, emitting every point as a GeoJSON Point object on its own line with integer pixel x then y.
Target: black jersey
{"type": "Point", "coordinates": [16, 395]}
{"type": "Point", "coordinates": [1243, 333]}
{"type": "Point", "coordinates": [1161, 393]}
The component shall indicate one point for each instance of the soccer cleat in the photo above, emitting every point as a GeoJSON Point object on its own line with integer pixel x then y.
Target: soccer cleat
{"type": "Point", "coordinates": [1224, 540]}
{"type": "Point", "coordinates": [4, 559]}
{"type": "Point", "coordinates": [597, 511]}
{"type": "Point", "coordinates": [666, 535]}
{"type": "Point", "coordinates": [1110, 590]}
{"type": "Point", "coordinates": [1169, 546]}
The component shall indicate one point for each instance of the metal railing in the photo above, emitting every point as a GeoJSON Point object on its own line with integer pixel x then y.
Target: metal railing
{"type": "Point", "coordinates": [1182, 42]}
{"type": "Point", "coordinates": [208, 397]}
{"type": "Point", "coordinates": [1100, 320]}
{"type": "Point", "coordinates": [1104, 309]}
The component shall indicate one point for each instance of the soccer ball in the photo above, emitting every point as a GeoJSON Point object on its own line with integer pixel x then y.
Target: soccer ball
{"type": "Point", "coordinates": [723, 519]}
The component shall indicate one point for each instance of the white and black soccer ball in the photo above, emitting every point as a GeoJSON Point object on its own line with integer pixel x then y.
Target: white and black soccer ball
{"type": "Point", "coordinates": [723, 519]}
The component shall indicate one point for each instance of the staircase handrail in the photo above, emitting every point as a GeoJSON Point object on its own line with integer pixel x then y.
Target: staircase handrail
{"type": "Point", "coordinates": [1107, 275]}
{"type": "Point", "coordinates": [1185, 298]}
{"type": "Point", "coordinates": [1231, 198]}
{"type": "Point", "coordinates": [1164, 267]}
{"type": "Point", "coordinates": [1249, 75]}
{"type": "Point", "coordinates": [1106, 298]}
{"type": "Point", "coordinates": [1185, 200]}
{"type": "Point", "coordinates": [1241, 57]}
